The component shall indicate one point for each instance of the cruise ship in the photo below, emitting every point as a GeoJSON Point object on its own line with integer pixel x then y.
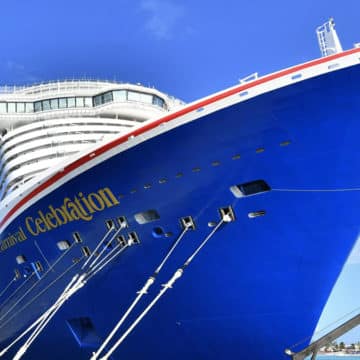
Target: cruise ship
{"type": "Point", "coordinates": [134, 226]}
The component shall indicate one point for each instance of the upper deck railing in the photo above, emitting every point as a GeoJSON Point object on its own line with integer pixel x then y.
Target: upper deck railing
{"type": "Point", "coordinates": [63, 85]}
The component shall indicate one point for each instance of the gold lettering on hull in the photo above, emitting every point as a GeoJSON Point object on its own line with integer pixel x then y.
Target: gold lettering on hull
{"type": "Point", "coordinates": [81, 207]}
{"type": "Point", "coordinates": [13, 239]}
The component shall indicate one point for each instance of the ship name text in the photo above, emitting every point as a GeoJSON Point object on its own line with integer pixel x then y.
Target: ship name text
{"type": "Point", "coordinates": [13, 239]}
{"type": "Point", "coordinates": [80, 207]}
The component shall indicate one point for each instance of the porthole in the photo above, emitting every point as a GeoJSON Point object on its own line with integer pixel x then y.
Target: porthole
{"type": "Point", "coordinates": [158, 232]}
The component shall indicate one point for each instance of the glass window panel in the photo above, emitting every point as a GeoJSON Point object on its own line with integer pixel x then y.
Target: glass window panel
{"type": "Point", "coordinates": [107, 97]}
{"type": "Point", "coordinates": [71, 102]}
{"type": "Point", "coordinates": [62, 103]}
{"type": "Point", "coordinates": [119, 95]}
{"type": "Point", "coordinates": [37, 106]}
{"type": "Point", "coordinates": [3, 107]}
{"type": "Point", "coordinates": [133, 96]}
{"type": "Point", "coordinates": [158, 101]}
{"type": "Point", "coordinates": [88, 102]}
{"type": "Point", "coordinates": [20, 107]}
{"type": "Point", "coordinates": [97, 100]}
{"type": "Point", "coordinates": [29, 107]}
{"type": "Point", "coordinates": [146, 98]}
{"type": "Point", "coordinates": [11, 107]}
{"type": "Point", "coordinates": [46, 105]}
{"type": "Point", "coordinates": [54, 103]}
{"type": "Point", "coordinates": [79, 102]}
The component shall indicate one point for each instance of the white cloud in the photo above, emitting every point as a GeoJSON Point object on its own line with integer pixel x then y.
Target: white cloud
{"type": "Point", "coordinates": [162, 17]}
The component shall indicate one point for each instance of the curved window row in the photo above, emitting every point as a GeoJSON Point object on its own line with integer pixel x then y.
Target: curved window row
{"type": "Point", "coordinates": [81, 102]}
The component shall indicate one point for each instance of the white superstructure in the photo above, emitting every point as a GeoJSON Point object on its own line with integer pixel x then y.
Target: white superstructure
{"type": "Point", "coordinates": [43, 124]}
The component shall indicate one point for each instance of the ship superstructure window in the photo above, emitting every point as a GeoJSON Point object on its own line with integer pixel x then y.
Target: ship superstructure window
{"type": "Point", "coordinates": [29, 107]}
{"type": "Point", "coordinates": [20, 107]}
{"type": "Point", "coordinates": [11, 107]}
{"type": "Point", "coordinates": [107, 97]}
{"type": "Point", "coordinates": [119, 95]}
{"type": "Point", "coordinates": [97, 100]}
{"type": "Point", "coordinates": [80, 102]}
{"type": "Point", "coordinates": [46, 105]}
{"type": "Point", "coordinates": [62, 103]}
{"type": "Point", "coordinates": [37, 106]}
{"type": "Point", "coordinates": [158, 101]}
{"type": "Point", "coordinates": [71, 102]}
{"type": "Point", "coordinates": [88, 102]}
{"type": "Point", "coordinates": [54, 103]}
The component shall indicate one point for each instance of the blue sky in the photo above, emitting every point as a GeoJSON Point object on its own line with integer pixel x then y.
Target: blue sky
{"type": "Point", "coordinates": [185, 48]}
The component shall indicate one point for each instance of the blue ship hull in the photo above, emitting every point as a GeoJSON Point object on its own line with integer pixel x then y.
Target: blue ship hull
{"type": "Point", "coordinates": [259, 285]}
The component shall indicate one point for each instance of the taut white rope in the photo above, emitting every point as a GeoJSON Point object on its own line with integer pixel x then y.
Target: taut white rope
{"type": "Point", "coordinates": [140, 293]}
{"type": "Point", "coordinates": [7, 286]}
{"type": "Point", "coordinates": [178, 273]}
{"type": "Point", "coordinates": [112, 228]}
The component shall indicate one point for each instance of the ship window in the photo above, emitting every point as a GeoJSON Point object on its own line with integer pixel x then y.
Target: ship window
{"type": "Point", "coordinates": [250, 188]}
{"type": "Point", "coordinates": [71, 102]}
{"type": "Point", "coordinates": [62, 103]}
{"type": "Point", "coordinates": [46, 105]}
{"type": "Point", "coordinates": [29, 107]}
{"type": "Point", "coordinates": [107, 97]}
{"type": "Point", "coordinates": [54, 103]}
{"type": "Point", "coordinates": [3, 107]}
{"type": "Point", "coordinates": [146, 98]}
{"type": "Point", "coordinates": [11, 107]}
{"type": "Point", "coordinates": [119, 95]}
{"type": "Point", "coordinates": [88, 102]}
{"type": "Point", "coordinates": [133, 96]}
{"type": "Point", "coordinates": [20, 107]}
{"type": "Point", "coordinates": [97, 100]}
{"type": "Point", "coordinates": [158, 101]}
{"type": "Point", "coordinates": [79, 102]}
{"type": "Point", "coordinates": [37, 106]}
